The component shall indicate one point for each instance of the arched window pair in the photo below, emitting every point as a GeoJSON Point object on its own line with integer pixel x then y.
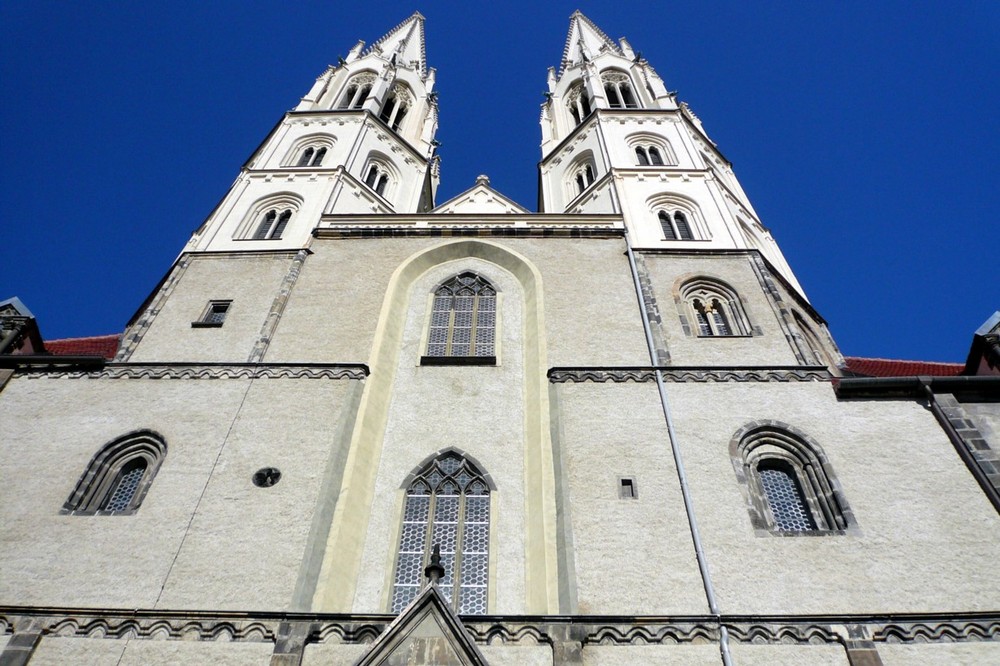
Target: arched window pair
{"type": "Point", "coordinates": [312, 156]}
{"type": "Point", "coordinates": [357, 91]}
{"type": "Point", "coordinates": [675, 225]}
{"type": "Point", "coordinates": [715, 308]}
{"type": "Point", "coordinates": [272, 224]}
{"type": "Point", "coordinates": [377, 177]}
{"type": "Point", "coordinates": [578, 103]}
{"type": "Point", "coordinates": [118, 476]}
{"type": "Point", "coordinates": [583, 176]}
{"type": "Point", "coordinates": [648, 156]}
{"type": "Point", "coordinates": [789, 482]}
{"type": "Point", "coordinates": [395, 107]}
{"type": "Point", "coordinates": [463, 320]}
{"type": "Point", "coordinates": [447, 505]}
{"type": "Point", "coordinates": [618, 90]}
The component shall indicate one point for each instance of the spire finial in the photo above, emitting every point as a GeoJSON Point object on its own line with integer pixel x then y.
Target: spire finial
{"type": "Point", "coordinates": [434, 571]}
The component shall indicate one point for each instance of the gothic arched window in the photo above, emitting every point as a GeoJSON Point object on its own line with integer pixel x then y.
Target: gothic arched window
{"type": "Point", "coordinates": [118, 476]}
{"type": "Point", "coordinates": [583, 176]}
{"type": "Point", "coordinates": [618, 90]}
{"type": "Point", "coordinates": [357, 91]}
{"type": "Point", "coordinates": [463, 320]}
{"type": "Point", "coordinates": [675, 225]}
{"type": "Point", "coordinates": [715, 308]}
{"type": "Point", "coordinates": [272, 224]}
{"type": "Point", "coordinates": [578, 102]}
{"type": "Point", "coordinates": [789, 481]}
{"type": "Point", "coordinates": [377, 177]}
{"type": "Point", "coordinates": [447, 505]}
{"type": "Point", "coordinates": [395, 107]}
{"type": "Point", "coordinates": [312, 156]}
{"type": "Point", "coordinates": [648, 156]}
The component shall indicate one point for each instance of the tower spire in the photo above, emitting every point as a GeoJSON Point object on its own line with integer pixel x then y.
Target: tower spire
{"type": "Point", "coordinates": [584, 41]}
{"type": "Point", "coordinates": [406, 42]}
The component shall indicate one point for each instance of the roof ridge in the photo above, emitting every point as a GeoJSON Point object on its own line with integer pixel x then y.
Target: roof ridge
{"type": "Point", "coordinates": [902, 360]}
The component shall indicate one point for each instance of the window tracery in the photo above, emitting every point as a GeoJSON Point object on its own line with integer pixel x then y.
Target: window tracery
{"type": "Point", "coordinates": [357, 91]}
{"type": "Point", "coordinates": [618, 90]}
{"type": "Point", "coordinates": [463, 318]}
{"type": "Point", "coordinates": [272, 224]}
{"type": "Point", "coordinates": [396, 105]}
{"type": "Point", "coordinates": [578, 103]}
{"type": "Point", "coordinates": [377, 177]}
{"type": "Point", "coordinates": [448, 505]}
{"type": "Point", "coordinates": [675, 225]}
{"type": "Point", "coordinates": [715, 308]}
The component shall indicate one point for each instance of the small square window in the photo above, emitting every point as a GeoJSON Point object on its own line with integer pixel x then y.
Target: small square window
{"type": "Point", "coordinates": [214, 315]}
{"type": "Point", "coordinates": [627, 489]}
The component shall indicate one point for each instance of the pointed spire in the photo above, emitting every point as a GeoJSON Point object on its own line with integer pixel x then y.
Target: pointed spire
{"type": "Point", "coordinates": [584, 41]}
{"type": "Point", "coordinates": [405, 43]}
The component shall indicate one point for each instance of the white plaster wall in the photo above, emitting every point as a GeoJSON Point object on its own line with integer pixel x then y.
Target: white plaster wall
{"type": "Point", "coordinates": [478, 410]}
{"type": "Point", "coordinates": [236, 546]}
{"type": "Point", "coordinates": [954, 654]}
{"type": "Point", "coordinates": [559, 185]}
{"type": "Point", "coordinates": [585, 282]}
{"type": "Point", "coordinates": [653, 655]}
{"type": "Point", "coordinates": [60, 651]}
{"type": "Point", "coordinates": [913, 551]}
{"type": "Point", "coordinates": [245, 545]}
{"type": "Point", "coordinates": [630, 556]}
{"type": "Point", "coordinates": [745, 654]}
{"type": "Point", "coordinates": [251, 282]}
{"type": "Point", "coordinates": [770, 347]}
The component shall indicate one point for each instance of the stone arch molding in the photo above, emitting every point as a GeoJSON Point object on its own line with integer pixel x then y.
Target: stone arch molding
{"type": "Point", "coordinates": [342, 559]}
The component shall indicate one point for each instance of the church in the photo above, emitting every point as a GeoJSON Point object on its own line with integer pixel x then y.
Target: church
{"type": "Point", "coordinates": [354, 424]}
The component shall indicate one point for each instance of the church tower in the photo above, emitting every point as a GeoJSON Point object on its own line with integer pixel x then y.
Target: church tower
{"type": "Point", "coordinates": [354, 426]}
{"type": "Point", "coordinates": [615, 140]}
{"type": "Point", "coordinates": [360, 141]}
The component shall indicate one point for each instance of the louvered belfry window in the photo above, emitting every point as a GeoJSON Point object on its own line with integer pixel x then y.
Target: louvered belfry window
{"type": "Point", "coordinates": [463, 318]}
{"type": "Point", "coordinates": [447, 504]}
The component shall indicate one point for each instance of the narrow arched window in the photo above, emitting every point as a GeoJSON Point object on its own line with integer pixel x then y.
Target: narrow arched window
{"type": "Point", "coordinates": [118, 476]}
{"type": "Point", "coordinates": [317, 159]}
{"type": "Point", "coordinates": [395, 107]}
{"type": "Point", "coordinates": [377, 177]}
{"type": "Point", "coordinates": [578, 103]}
{"type": "Point", "coordinates": [641, 156]}
{"type": "Point", "coordinates": [463, 320]}
{"type": "Point", "coordinates": [788, 480]}
{"type": "Point", "coordinates": [654, 156]}
{"type": "Point", "coordinates": [675, 225]}
{"type": "Point", "coordinates": [583, 176]}
{"type": "Point", "coordinates": [784, 496]}
{"type": "Point", "coordinates": [447, 505]}
{"type": "Point", "coordinates": [306, 158]}
{"type": "Point", "coordinates": [272, 224]}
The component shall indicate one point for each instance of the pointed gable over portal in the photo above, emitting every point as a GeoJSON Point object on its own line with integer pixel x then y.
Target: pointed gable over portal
{"type": "Point", "coordinates": [480, 199]}
{"type": "Point", "coordinates": [427, 632]}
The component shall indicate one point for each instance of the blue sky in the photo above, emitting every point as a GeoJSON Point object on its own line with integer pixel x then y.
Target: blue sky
{"type": "Point", "coordinates": [864, 133]}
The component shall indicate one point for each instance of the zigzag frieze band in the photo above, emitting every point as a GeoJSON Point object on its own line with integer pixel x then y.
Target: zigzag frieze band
{"type": "Point", "coordinates": [678, 375]}
{"type": "Point", "coordinates": [512, 630]}
{"type": "Point", "coordinates": [207, 371]}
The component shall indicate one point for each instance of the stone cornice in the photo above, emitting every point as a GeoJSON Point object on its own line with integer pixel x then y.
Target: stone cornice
{"type": "Point", "coordinates": [205, 371]}
{"type": "Point", "coordinates": [679, 374]}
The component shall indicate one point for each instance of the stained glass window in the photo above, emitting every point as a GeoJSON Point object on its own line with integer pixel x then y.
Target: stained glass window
{"type": "Point", "coordinates": [447, 504]}
{"type": "Point", "coordinates": [463, 318]}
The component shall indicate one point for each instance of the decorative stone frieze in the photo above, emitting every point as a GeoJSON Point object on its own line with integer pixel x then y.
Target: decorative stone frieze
{"type": "Point", "coordinates": [700, 375]}
{"type": "Point", "coordinates": [205, 371]}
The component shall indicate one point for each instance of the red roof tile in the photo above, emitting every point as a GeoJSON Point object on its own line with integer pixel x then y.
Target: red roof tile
{"type": "Point", "coordinates": [98, 345]}
{"type": "Point", "coordinates": [886, 367]}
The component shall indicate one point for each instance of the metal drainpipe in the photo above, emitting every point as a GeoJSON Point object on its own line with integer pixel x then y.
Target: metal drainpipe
{"type": "Point", "coordinates": [699, 552]}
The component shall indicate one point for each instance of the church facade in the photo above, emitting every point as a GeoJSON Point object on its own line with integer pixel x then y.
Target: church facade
{"type": "Point", "coordinates": [356, 425]}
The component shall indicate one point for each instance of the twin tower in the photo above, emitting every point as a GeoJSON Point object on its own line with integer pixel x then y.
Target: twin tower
{"type": "Point", "coordinates": [615, 141]}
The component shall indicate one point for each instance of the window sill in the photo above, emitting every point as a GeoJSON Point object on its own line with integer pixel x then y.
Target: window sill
{"type": "Point", "coordinates": [206, 324]}
{"type": "Point", "coordinates": [458, 360]}
{"type": "Point", "coordinates": [721, 337]}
